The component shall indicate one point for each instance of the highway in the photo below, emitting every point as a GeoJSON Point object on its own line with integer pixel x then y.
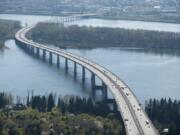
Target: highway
{"type": "Point", "coordinates": [134, 117]}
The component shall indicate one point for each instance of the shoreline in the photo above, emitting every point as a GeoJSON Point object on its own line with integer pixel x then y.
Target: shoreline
{"type": "Point", "coordinates": [105, 18]}
{"type": "Point", "coordinates": [138, 19]}
{"type": "Point", "coordinates": [72, 45]}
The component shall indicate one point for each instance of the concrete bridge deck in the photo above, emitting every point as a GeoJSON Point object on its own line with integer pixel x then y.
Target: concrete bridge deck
{"type": "Point", "coordinates": [135, 119]}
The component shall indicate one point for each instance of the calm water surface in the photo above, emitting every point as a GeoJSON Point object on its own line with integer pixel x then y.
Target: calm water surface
{"type": "Point", "coordinates": [157, 26]}
{"type": "Point", "coordinates": [150, 75]}
{"type": "Point", "coordinates": [20, 73]}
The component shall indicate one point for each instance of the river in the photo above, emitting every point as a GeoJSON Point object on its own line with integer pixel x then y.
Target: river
{"type": "Point", "coordinates": [157, 26]}
{"type": "Point", "coordinates": [150, 74]}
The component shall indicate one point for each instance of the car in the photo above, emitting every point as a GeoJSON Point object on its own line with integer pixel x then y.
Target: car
{"type": "Point", "coordinates": [126, 119]}
{"type": "Point", "coordinates": [147, 122]}
{"type": "Point", "coordinates": [166, 130]}
{"type": "Point", "coordinates": [127, 94]}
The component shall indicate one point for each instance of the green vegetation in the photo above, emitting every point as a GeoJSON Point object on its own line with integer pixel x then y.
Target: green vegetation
{"type": "Point", "coordinates": [7, 30]}
{"type": "Point", "coordinates": [91, 37]}
{"type": "Point", "coordinates": [71, 104]}
{"type": "Point", "coordinates": [72, 115]}
{"type": "Point", "coordinates": [165, 114]}
{"type": "Point", "coordinates": [32, 122]}
{"type": "Point", "coordinates": [41, 115]}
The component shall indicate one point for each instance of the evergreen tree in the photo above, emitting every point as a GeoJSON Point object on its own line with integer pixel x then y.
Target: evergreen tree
{"type": "Point", "coordinates": [51, 102]}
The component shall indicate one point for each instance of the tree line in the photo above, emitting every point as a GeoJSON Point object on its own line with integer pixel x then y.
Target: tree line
{"type": "Point", "coordinates": [66, 104]}
{"type": "Point", "coordinates": [69, 115]}
{"type": "Point", "coordinates": [165, 113]}
{"type": "Point", "coordinates": [92, 37]}
{"type": "Point", "coordinates": [70, 104]}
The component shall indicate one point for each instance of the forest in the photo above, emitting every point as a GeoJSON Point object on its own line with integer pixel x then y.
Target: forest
{"type": "Point", "coordinates": [49, 115]}
{"type": "Point", "coordinates": [165, 114]}
{"type": "Point", "coordinates": [74, 36]}
{"type": "Point", "coordinates": [73, 115]}
{"type": "Point", "coordinates": [7, 30]}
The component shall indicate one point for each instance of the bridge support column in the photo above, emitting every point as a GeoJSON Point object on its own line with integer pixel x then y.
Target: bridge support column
{"type": "Point", "coordinates": [66, 65]}
{"type": "Point", "coordinates": [104, 91]}
{"type": "Point", "coordinates": [93, 81]}
{"type": "Point", "coordinates": [75, 70]}
{"type": "Point", "coordinates": [37, 52]}
{"type": "Point", "coordinates": [58, 61]}
{"type": "Point", "coordinates": [63, 20]}
{"type": "Point", "coordinates": [29, 49]}
{"type": "Point", "coordinates": [83, 74]}
{"type": "Point", "coordinates": [44, 54]}
{"type": "Point", "coordinates": [32, 50]}
{"type": "Point", "coordinates": [26, 48]}
{"type": "Point", "coordinates": [50, 57]}
{"type": "Point", "coordinates": [102, 88]}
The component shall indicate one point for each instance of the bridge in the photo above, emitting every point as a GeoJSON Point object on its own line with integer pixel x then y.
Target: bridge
{"type": "Point", "coordinates": [135, 120]}
{"type": "Point", "coordinates": [71, 18]}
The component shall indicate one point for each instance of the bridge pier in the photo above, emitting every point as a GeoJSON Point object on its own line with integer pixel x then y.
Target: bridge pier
{"type": "Point", "coordinates": [26, 48]}
{"type": "Point", "coordinates": [50, 57]}
{"type": "Point", "coordinates": [92, 82]}
{"type": "Point", "coordinates": [58, 61]}
{"type": "Point", "coordinates": [83, 74]}
{"type": "Point", "coordinates": [75, 70]}
{"type": "Point", "coordinates": [105, 93]}
{"type": "Point", "coordinates": [102, 88]}
{"type": "Point", "coordinates": [29, 49]}
{"type": "Point", "coordinates": [66, 65]}
{"type": "Point", "coordinates": [37, 52]}
{"type": "Point", "coordinates": [32, 50]}
{"type": "Point", "coordinates": [44, 54]}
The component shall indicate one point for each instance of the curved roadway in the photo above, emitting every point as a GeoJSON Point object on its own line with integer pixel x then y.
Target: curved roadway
{"type": "Point", "coordinates": [135, 119]}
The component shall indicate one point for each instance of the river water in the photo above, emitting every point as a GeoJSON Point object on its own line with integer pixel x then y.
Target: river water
{"type": "Point", "coordinates": [150, 74]}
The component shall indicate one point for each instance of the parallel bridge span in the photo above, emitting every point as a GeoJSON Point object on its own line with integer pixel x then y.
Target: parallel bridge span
{"type": "Point", "coordinates": [65, 19]}
{"type": "Point", "coordinates": [135, 119]}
